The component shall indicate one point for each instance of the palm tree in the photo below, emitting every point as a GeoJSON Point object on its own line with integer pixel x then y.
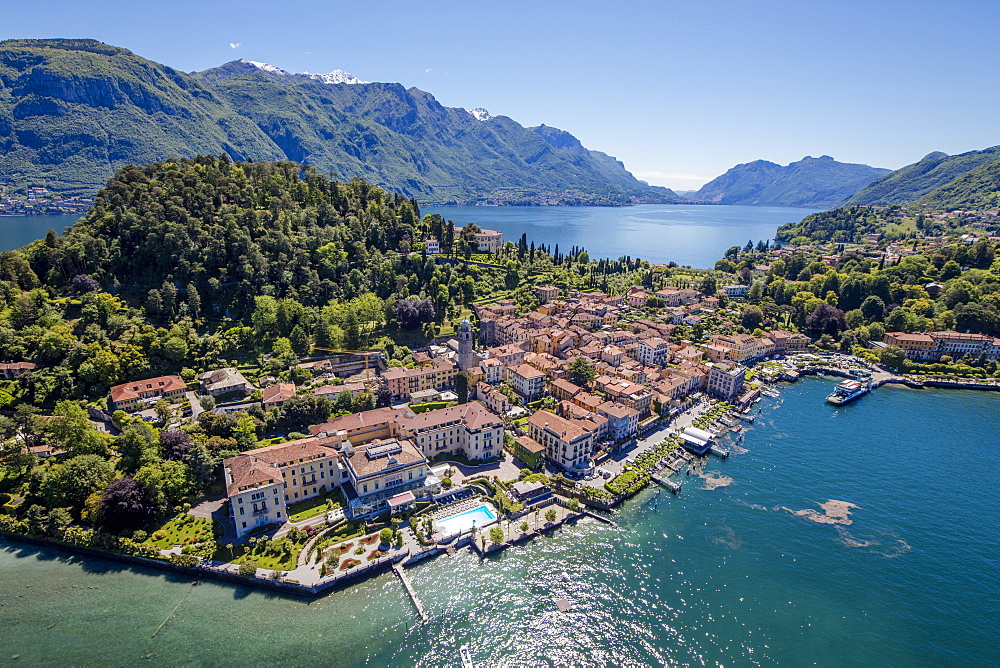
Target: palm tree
{"type": "Point", "coordinates": [229, 546]}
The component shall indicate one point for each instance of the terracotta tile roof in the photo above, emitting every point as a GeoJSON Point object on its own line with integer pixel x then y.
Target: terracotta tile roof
{"type": "Point", "coordinates": [278, 392]}
{"type": "Point", "coordinates": [262, 466]}
{"type": "Point", "coordinates": [135, 389]}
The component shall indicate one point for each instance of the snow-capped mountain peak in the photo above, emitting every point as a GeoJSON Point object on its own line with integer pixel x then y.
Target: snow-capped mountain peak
{"type": "Point", "coordinates": [334, 77]}
{"type": "Point", "coordinates": [265, 67]}
{"type": "Point", "coordinates": [480, 114]}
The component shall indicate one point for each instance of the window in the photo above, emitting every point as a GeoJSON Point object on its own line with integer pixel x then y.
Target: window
{"type": "Point", "coordinates": [242, 510]}
{"type": "Point", "coordinates": [296, 495]}
{"type": "Point", "coordinates": [279, 513]}
{"type": "Point", "coordinates": [244, 525]}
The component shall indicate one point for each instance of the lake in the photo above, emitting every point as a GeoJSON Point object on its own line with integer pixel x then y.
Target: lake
{"type": "Point", "coordinates": [17, 231]}
{"type": "Point", "coordinates": [687, 234]}
{"type": "Point", "coordinates": [691, 235]}
{"type": "Point", "coordinates": [743, 567]}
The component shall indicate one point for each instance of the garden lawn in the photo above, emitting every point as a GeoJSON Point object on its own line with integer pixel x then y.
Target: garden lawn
{"type": "Point", "coordinates": [304, 510]}
{"type": "Point", "coordinates": [184, 530]}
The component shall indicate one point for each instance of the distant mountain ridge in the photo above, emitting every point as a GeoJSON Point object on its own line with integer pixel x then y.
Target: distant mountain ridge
{"type": "Point", "coordinates": [964, 180]}
{"type": "Point", "coordinates": [810, 182]}
{"type": "Point", "coordinates": [73, 111]}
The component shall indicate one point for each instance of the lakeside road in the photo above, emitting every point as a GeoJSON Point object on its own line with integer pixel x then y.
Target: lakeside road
{"type": "Point", "coordinates": [616, 463]}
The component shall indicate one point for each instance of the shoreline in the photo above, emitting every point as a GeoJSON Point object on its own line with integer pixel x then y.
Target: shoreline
{"type": "Point", "coordinates": [222, 572]}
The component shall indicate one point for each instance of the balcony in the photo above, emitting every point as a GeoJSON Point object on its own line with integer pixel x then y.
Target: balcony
{"type": "Point", "coordinates": [262, 511]}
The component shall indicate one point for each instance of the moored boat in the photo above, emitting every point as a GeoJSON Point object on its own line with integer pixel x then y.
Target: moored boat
{"type": "Point", "coordinates": [849, 390]}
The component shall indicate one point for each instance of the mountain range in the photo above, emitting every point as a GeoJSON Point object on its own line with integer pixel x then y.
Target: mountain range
{"type": "Point", "coordinates": [811, 182]}
{"type": "Point", "coordinates": [940, 181]}
{"type": "Point", "coordinates": [74, 110]}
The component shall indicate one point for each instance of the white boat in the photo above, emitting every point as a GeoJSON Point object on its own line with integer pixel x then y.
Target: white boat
{"type": "Point", "coordinates": [848, 390]}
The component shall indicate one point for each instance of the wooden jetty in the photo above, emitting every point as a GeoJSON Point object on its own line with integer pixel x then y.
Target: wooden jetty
{"type": "Point", "coordinates": [409, 590]}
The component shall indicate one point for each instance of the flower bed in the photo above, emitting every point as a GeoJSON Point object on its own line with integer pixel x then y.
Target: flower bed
{"type": "Point", "coordinates": [368, 540]}
{"type": "Point", "coordinates": [375, 554]}
{"type": "Point", "coordinates": [349, 563]}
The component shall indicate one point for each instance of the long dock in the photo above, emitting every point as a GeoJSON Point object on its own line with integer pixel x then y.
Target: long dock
{"type": "Point", "coordinates": [409, 590]}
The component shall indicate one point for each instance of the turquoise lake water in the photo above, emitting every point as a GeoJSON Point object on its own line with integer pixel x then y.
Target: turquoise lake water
{"type": "Point", "coordinates": [683, 233]}
{"type": "Point", "coordinates": [729, 575]}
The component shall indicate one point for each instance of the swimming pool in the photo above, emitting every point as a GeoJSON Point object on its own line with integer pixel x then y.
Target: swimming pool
{"type": "Point", "coordinates": [479, 516]}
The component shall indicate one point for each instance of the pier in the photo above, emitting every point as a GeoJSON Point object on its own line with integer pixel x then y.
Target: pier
{"type": "Point", "coordinates": [666, 482]}
{"type": "Point", "coordinates": [409, 590]}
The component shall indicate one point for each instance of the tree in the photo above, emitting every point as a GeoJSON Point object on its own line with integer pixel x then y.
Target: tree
{"type": "Point", "coordinates": [524, 527]}
{"type": "Point", "coordinates": [496, 535]}
{"type": "Point", "coordinates": [70, 483]}
{"type": "Point", "coordinates": [873, 308]}
{"type": "Point", "coordinates": [709, 286]}
{"type": "Point", "coordinates": [825, 319]}
{"type": "Point", "coordinates": [385, 536]}
{"type": "Point", "coordinates": [162, 408]}
{"type": "Point", "coordinates": [550, 515]}
{"type": "Point", "coordinates": [137, 446]}
{"type": "Point", "coordinates": [752, 317]}
{"type": "Point", "coordinates": [83, 284]}
{"type": "Point", "coordinates": [581, 371]}
{"type": "Point", "coordinates": [70, 429]}
{"type": "Point", "coordinates": [248, 567]}
{"type": "Point", "coordinates": [892, 357]}
{"type": "Point", "coordinates": [462, 388]}
{"type": "Point", "coordinates": [202, 467]}
{"type": "Point", "coordinates": [126, 504]}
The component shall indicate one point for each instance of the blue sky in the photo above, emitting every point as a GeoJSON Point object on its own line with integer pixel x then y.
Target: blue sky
{"type": "Point", "coordinates": [679, 91]}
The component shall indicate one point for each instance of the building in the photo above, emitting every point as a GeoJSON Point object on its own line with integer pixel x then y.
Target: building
{"type": "Point", "coordinates": [16, 370]}
{"type": "Point", "coordinates": [529, 451]}
{"type": "Point", "coordinates": [276, 395]}
{"type": "Point", "coordinates": [932, 345]}
{"type": "Point", "coordinates": [736, 290]}
{"type": "Point", "coordinates": [623, 422]}
{"type": "Point", "coordinates": [466, 355]}
{"type": "Point", "coordinates": [914, 346]}
{"type": "Point", "coordinates": [262, 483]}
{"type": "Point", "coordinates": [492, 398]}
{"type": "Point", "coordinates": [653, 352]}
{"type": "Point", "coordinates": [546, 293]}
{"type": "Point", "coordinates": [567, 442]}
{"type": "Point", "coordinates": [433, 247]}
{"type": "Point", "coordinates": [129, 396]}
{"type": "Point", "coordinates": [527, 381]}
{"type": "Point", "coordinates": [382, 470]}
{"type": "Point", "coordinates": [439, 375]}
{"type": "Point", "coordinates": [726, 380]}
{"type": "Point", "coordinates": [467, 429]}
{"type": "Point", "coordinates": [492, 370]}
{"type": "Point", "coordinates": [488, 241]}
{"type": "Point", "coordinates": [224, 381]}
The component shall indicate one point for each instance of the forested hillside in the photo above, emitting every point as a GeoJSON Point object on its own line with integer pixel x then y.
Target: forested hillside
{"type": "Point", "coordinates": [914, 181]}
{"type": "Point", "coordinates": [74, 111]}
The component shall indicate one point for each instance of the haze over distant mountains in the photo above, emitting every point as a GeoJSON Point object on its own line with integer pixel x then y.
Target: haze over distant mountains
{"type": "Point", "coordinates": [73, 111]}
{"type": "Point", "coordinates": [810, 182]}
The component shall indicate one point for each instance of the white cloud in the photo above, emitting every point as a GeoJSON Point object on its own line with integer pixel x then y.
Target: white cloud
{"type": "Point", "coordinates": [234, 45]}
{"type": "Point", "coordinates": [429, 69]}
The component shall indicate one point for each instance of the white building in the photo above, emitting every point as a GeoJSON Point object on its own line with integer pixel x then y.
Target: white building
{"type": "Point", "coordinates": [653, 352]}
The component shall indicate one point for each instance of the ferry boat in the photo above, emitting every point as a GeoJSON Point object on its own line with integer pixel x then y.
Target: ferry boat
{"type": "Point", "coordinates": [849, 390]}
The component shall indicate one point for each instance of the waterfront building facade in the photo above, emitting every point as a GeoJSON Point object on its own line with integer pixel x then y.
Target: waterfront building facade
{"type": "Point", "coordinates": [726, 380]}
{"type": "Point", "coordinates": [262, 483]}
{"type": "Point", "coordinates": [567, 442]}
